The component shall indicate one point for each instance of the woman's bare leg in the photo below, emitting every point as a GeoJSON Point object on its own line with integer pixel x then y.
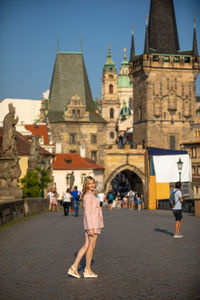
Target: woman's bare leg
{"type": "Point", "coordinates": [81, 252]}
{"type": "Point", "coordinates": [90, 251]}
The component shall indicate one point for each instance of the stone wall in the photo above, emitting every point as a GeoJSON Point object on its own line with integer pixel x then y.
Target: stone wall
{"type": "Point", "coordinates": [13, 210]}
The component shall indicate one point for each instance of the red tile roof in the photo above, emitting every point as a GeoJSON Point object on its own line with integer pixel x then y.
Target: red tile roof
{"type": "Point", "coordinates": [40, 130]}
{"type": "Point", "coordinates": [73, 161]}
{"type": "Point", "coordinates": [23, 145]}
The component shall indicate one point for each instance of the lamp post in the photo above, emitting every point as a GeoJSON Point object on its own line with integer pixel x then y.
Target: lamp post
{"type": "Point", "coordinates": [180, 167]}
{"type": "Point", "coordinates": [42, 179]}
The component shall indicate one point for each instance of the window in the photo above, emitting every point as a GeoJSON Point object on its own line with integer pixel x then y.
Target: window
{"type": "Point", "coordinates": [72, 138]}
{"type": "Point", "coordinates": [194, 152]}
{"type": "Point", "coordinates": [172, 142]}
{"type": "Point", "coordinates": [110, 76]}
{"type": "Point", "coordinates": [72, 151]}
{"type": "Point", "coordinates": [164, 115]}
{"type": "Point", "coordinates": [94, 155]}
{"type": "Point", "coordinates": [110, 89]}
{"type": "Point", "coordinates": [198, 169]}
{"type": "Point", "coordinates": [197, 189]}
{"type": "Point", "coordinates": [112, 135]}
{"type": "Point", "coordinates": [83, 176]}
{"type": "Point", "coordinates": [68, 179]}
{"type": "Point", "coordinates": [93, 139]}
{"type": "Point", "coordinates": [193, 169]}
{"type": "Point", "coordinates": [111, 113]}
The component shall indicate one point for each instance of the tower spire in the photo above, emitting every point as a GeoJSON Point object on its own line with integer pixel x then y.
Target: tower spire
{"type": "Point", "coordinates": [163, 36]}
{"type": "Point", "coordinates": [132, 54]}
{"type": "Point", "coordinates": [194, 48]}
{"type": "Point", "coordinates": [109, 65]}
{"type": "Point", "coordinates": [146, 43]}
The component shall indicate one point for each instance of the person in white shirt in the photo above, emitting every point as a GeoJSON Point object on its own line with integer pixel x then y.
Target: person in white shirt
{"type": "Point", "coordinates": [177, 209]}
{"type": "Point", "coordinates": [101, 198]}
{"type": "Point", "coordinates": [52, 198]}
{"type": "Point", "coordinates": [67, 198]}
{"type": "Point", "coordinates": [131, 195]}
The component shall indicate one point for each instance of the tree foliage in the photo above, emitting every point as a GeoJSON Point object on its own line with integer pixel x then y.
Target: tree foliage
{"type": "Point", "coordinates": [32, 182]}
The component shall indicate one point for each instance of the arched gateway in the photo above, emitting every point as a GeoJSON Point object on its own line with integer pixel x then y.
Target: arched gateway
{"type": "Point", "coordinates": [125, 173]}
{"type": "Point", "coordinates": [125, 164]}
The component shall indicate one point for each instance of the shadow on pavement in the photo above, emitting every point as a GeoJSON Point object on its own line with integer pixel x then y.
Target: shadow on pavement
{"type": "Point", "coordinates": [163, 231]}
{"type": "Point", "coordinates": [82, 262]}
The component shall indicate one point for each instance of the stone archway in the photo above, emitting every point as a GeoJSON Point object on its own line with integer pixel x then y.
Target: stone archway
{"type": "Point", "coordinates": [122, 169]}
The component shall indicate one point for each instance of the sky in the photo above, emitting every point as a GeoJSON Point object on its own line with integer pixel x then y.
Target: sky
{"type": "Point", "coordinates": [30, 30]}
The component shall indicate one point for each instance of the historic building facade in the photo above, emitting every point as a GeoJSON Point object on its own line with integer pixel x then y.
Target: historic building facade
{"type": "Point", "coordinates": [74, 121]}
{"type": "Point", "coordinates": [164, 83]}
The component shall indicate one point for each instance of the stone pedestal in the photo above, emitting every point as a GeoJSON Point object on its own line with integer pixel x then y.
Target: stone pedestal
{"type": "Point", "coordinates": [9, 173]}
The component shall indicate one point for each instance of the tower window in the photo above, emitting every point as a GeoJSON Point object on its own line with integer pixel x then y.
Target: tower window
{"type": "Point", "coordinates": [94, 155]}
{"type": "Point", "coordinates": [93, 139]}
{"type": "Point", "coordinates": [172, 142]}
{"type": "Point", "coordinates": [111, 113]}
{"type": "Point", "coordinates": [72, 138]}
{"type": "Point", "coordinates": [110, 89]}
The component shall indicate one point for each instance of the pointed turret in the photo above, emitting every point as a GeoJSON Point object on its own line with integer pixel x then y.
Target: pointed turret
{"type": "Point", "coordinates": [146, 43]}
{"type": "Point", "coordinates": [132, 54]}
{"type": "Point", "coordinates": [109, 65]}
{"type": "Point", "coordinates": [195, 48]}
{"type": "Point", "coordinates": [163, 36]}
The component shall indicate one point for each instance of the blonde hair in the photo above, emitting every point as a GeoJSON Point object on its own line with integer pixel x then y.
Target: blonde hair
{"type": "Point", "coordinates": [85, 185]}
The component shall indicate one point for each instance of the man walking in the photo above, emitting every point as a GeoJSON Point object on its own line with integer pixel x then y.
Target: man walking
{"type": "Point", "coordinates": [76, 198]}
{"type": "Point", "coordinates": [177, 209]}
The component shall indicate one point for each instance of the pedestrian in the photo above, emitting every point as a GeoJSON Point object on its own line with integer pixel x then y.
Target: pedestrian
{"type": "Point", "coordinates": [110, 197]}
{"type": "Point", "coordinates": [67, 197]}
{"type": "Point", "coordinates": [177, 209]}
{"type": "Point", "coordinates": [139, 201]}
{"type": "Point", "coordinates": [93, 223]}
{"type": "Point", "coordinates": [131, 195]}
{"type": "Point", "coordinates": [51, 196]}
{"type": "Point", "coordinates": [101, 197]}
{"type": "Point", "coordinates": [76, 198]}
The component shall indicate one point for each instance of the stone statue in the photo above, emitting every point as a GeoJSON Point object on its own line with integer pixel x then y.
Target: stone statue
{"type": "Point", "coordinates": [9, 140]}
{"type": "Point", "coordinates": [9, 161]}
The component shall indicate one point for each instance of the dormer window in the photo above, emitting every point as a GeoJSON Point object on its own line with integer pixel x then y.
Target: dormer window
{"type": "Point", "coordinates": [68, 160]}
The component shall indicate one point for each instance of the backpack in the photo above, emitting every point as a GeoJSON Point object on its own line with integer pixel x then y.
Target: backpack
{"type": "Point", "coordinates": [110, 196]}
{"type": "Point", "coordinates": [78, 196]}
{"type": "Point", "coordinates": [172, 201]}
{"type": "Point", "coordinates": [131, 195]}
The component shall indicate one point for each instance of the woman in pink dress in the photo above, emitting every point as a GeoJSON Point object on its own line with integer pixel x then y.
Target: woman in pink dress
{"type": "Point", "coordinates": [93, 222]}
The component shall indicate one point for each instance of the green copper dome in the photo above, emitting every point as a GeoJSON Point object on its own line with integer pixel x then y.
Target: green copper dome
{"type": "Point", "coordinates": [124, 112]}
{"type": "Point", "coordinates": [109, 65]}
{"type": "Point", "coordinates": [123, 78]}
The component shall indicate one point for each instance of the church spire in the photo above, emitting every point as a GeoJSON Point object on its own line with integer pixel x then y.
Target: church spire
{"type": "Point", "coordinates": [109, 65]}
{"type": "Point", "coordinates": [146, 43]}
{"type": "Point", "coordinates": [163, 36]}
{"type": "Point", "coordinates": [132, 54]}
{"type": "Point", "coordinates": [194, 48]}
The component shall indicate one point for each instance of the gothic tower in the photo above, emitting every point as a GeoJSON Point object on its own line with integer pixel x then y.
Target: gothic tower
{"type": "Point", "coordinates": [164, 82]}
{"type": "Point", "coordinates": [110, 104]}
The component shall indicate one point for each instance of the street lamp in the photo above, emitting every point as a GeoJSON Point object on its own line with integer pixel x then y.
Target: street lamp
{"type": "Point", "coordinates": [180, 167]}
{"type": "Point", "coordinates": [42, 179]}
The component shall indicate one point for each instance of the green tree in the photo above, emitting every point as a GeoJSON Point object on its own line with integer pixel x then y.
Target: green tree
{"type": "Point", "coordinates": [32, 182]}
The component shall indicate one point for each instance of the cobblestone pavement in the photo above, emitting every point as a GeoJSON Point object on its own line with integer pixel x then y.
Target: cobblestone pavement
{"type": "Point", "coordinates": [136, 258]}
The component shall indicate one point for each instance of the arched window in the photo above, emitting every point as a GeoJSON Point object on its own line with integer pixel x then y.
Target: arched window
{"type": "Point", "coordinates": [111, 113]}
{"type": "Point", "coordinates": [110, 89]}
{"type": "Point", "coordinates": [68, 179]}
{"type": "Point", "coordinates": [83, 176]}
{"type": "Point", "coordinates": [112, 135]}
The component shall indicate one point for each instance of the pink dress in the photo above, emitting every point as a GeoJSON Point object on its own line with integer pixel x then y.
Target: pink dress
{"type": "Point", "coordinates": [92, 215]}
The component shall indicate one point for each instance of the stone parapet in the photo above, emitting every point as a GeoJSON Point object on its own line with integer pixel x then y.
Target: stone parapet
{"type": "Point", "coordinates": [13, 210]}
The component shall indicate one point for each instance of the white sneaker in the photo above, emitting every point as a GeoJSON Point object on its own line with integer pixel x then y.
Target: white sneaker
{"type": "Point", "coordinates": [178, 236]}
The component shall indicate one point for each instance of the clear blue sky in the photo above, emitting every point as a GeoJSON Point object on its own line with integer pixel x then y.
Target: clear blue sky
{"type": "Point", "coordinates": [30, 28]}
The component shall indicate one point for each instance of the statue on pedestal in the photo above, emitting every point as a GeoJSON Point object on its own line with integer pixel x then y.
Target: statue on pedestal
{"type": "Point", "coordinates": [9, 161]}
{"type": "Point", "coordinates": [9, 142]}
{"type": "Point", "coordinates": [34, 159]}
